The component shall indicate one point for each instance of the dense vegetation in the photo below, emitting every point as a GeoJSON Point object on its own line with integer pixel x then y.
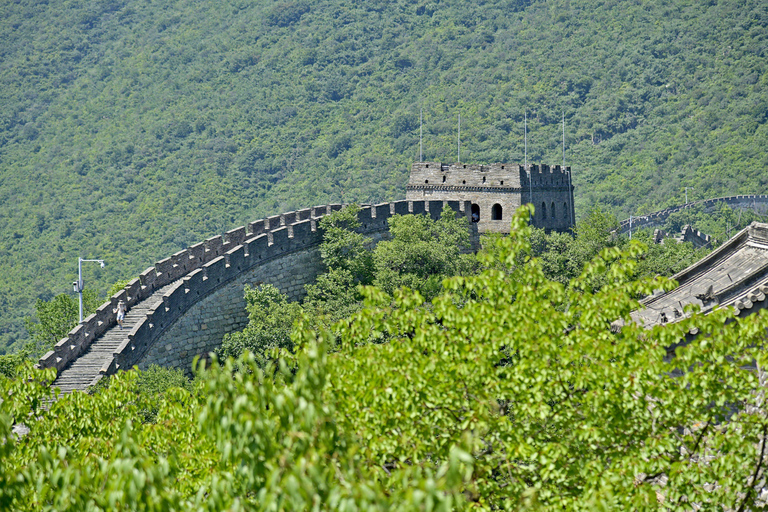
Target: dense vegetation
{"type": "Point", "coordinates": [419, 254]}
{"type": "Point", "coordinates": [509, 391]}
{"type": "Point", "coordinates": [132, 128]}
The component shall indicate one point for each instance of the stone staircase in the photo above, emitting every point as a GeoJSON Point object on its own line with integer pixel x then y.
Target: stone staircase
{"type": "Point", "coordinates": [85, 371]}
{"type": "Point", "coordinates": [162, 294]}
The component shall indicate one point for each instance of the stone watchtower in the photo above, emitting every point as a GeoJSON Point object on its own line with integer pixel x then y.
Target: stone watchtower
{"type": "Point", "coordinates": [497, 190]}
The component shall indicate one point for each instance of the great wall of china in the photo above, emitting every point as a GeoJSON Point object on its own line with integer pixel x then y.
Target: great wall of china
{"type": "Point", "coordinates": [759, 202]}
{"type": "Point", "coordinates": [183, 305]}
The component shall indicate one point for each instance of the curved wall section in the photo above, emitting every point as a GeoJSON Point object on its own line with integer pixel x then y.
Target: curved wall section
{"type": "Point", "coordinates": [201, 327]}
{"type": "Point", "coordinates": [195, 297]}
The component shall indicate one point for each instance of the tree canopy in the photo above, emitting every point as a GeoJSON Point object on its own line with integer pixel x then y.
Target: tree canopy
{"type": "Point", "coordinates": [511, 391]}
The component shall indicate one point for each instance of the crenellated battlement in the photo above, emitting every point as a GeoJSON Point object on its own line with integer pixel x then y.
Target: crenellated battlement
{"type": "Point", "coordinates": [497, 190]}
{"type": "Point", "coordinates": [757, 202]}
{"type": "Point", "coordinates": [176, 284]}
{"type": "Point", "coordinates": [502, 176]}
{"type": "Point", "coordinates": [546, 176]}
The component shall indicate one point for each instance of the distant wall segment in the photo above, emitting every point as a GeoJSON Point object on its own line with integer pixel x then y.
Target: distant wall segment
{"type": "Point", "coordinates": [196, 296]}
{"type": "Point", "coordinates": [757, 201]}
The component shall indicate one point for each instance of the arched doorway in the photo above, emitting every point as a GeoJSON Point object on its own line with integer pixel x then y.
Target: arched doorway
{"type": "Point", "coordinates": [496, 212]}
{"type": "Point", "coordinates": [475, 213]}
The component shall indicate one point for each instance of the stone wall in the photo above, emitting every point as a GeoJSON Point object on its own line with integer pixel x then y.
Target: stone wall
{"type": "Point", "coordinates": [497, 190]}
{"type": "Point", "coordinates": [196, 295]}
{"type": "Point", "coordinates": [552, 196]}
{"type": "Point", "coordinates": [687, 234]}
{"type": "Point", "coordinates": [201, 328]}
{"type": "Point", "coordinates": [287, 257]}
{"type": "Point", "coordinates": [758, 202]}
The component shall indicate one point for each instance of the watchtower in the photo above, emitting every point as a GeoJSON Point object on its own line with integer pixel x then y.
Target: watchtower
{"type": "Point", "coordinates": [497, 190]}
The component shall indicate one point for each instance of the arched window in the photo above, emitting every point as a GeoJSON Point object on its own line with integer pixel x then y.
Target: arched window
{"type": "Point", "coordinates": [553, 212]}
{"type": "Point", "coordinates": [544, 210]}
{"type": "Point", "coordinates": [565, 210]}
{"type": "Point", "coordinates": [443, 178]}
{"type": "Point", "coordinates": [475, 213]}
{"type": "Point", "coordinates": [496, 212]}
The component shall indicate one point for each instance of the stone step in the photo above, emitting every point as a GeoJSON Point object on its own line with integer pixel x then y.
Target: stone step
{"type": "Point", "coordinates": [81, 372]}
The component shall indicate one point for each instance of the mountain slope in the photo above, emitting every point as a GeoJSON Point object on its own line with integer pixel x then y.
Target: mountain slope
{"type": "Point", "coordinates": [132, 128]}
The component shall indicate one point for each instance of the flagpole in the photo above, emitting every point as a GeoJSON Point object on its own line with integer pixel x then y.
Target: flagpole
{"type": "Point", "coordinates": [458, 142]}
{"type": "Point", "coordinates": [526, 139]}
{"type": "Point", "coordinates": [421, 125]}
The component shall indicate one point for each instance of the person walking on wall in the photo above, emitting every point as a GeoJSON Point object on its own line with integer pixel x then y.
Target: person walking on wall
{"type": "Point", "coordinates": [120, 314]}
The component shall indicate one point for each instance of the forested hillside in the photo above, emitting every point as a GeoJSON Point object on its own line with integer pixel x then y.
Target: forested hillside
{"type": "Point", "coordinates": [130, 129]}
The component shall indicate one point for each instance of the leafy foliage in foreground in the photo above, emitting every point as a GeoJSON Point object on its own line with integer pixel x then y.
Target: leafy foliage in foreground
{"type": "Point", "coordinates": [241, 442]}
{"type": "Point", "coordinates": [132, 129]}
{"type": "Point", "coordinates": [559, 412]}
{"type": "Point", "coordinates": [509, 392]}
{"type": "Point", "coordinates": [496, 397]}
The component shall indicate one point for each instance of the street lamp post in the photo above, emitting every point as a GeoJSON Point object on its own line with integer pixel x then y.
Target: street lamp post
{"type": "Point", "coordinates": [78, 285]}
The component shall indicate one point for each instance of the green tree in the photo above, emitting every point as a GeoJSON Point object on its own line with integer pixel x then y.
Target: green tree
{"type": "Point", "coordinates": [243, 441]}
{"type": "Point", "coordinates": [10, 363]}
{"type": "Point", "coordinates": [422, 252]}
{"type": "Point", "coordinates": [334, 294]}
{"type": "Point", "coordinates": [563, 255]}
{"type": "Point", "coordinates": [344, 248]}
{"type": "Point", "coordinates": [117, 287]}
{"type": "Point", "coordinates": [270, 319]}
{"type": "Point", "coordinates": [667, 258]}
{"type": "Point", "coordinates": [558, 411]}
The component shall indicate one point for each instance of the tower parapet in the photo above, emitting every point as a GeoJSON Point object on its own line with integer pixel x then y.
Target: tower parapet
{"type": "Point", "coordinates": [497, 190]}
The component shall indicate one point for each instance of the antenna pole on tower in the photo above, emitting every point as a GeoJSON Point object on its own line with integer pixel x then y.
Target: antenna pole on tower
{"type": "Point", "coordinates": [525, 138]}
{"type": "Point", "coordinates": [570, 184]}
{"type": "Point", "coordinates": [421, 133]}
{"type": "Point", "coordinates": [458, 142]}
{"type": "Point", "coordinates": [525, 131]}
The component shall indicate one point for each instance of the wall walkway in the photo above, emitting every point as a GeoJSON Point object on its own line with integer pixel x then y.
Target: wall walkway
{"type": "Point", "coordinates": [183, 305]}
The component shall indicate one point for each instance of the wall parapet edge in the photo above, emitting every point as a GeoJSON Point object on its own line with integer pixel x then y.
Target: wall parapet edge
{"type": "Point", "coordinates": [202, 268]}
{"type": "Point", "coordinates": [651, 219]}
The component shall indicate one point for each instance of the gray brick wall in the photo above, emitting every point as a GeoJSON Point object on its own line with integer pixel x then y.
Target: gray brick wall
{"type": "Point", "coordinates": [497, 190]}
{"type": "Point", "coordinates": [203, 326]}
{"type": "Point", "coordinates": [194, 297]}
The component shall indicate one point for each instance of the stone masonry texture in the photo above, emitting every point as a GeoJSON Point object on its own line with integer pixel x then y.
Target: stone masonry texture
{"type": "Point", "coordinates": [202, 327]}
{"type": "Point", "coordinates": [497, 190]}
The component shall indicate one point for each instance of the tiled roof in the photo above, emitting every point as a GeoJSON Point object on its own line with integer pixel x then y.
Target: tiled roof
{"type": "Point", "coordinates": [735, 274]}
